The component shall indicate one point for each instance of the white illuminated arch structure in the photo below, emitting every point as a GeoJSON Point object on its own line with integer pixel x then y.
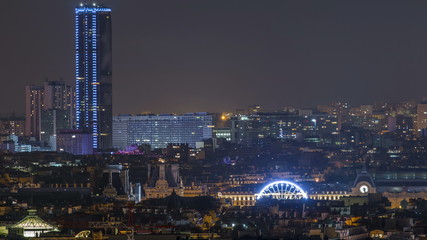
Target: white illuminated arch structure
{"type": "Point", "coordinates": [282, 190]}
{"type": "Point", "coordinates": [83, 234]}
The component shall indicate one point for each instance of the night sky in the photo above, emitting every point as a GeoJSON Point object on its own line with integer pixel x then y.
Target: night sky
{"type": "Point", "coordinates": [184, 56]}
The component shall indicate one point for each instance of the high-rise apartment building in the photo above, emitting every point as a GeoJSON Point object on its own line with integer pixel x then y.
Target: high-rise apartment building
{"type": "Point", "coordinates": [160, 130]}
{"type": "Point", "coordinates": [58, 95]}
{"type": "Point", "coordinates": [94, 73]}
{"type": "Point", "coordinates": [53, 95]}
{"type": "Point", "coordinates": [421, 116]}
{"type": "Point", "coordinates": [33, 108]}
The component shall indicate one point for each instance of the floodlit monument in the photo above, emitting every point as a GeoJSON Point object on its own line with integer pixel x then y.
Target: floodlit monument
{"type": "Point", "coordinates": [31, 226]}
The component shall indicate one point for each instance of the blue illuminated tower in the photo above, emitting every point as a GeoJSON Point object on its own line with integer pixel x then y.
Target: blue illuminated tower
{"type": "Point", "coordinates": [94, 73]}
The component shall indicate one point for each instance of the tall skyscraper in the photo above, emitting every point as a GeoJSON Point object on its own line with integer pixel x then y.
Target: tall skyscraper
{"type": "Point", "coordinates": [33, 108]}
{"type": "Point", "coordinates": [94, 73]}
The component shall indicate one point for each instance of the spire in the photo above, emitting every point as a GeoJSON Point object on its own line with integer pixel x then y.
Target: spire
{"type": "Point", "coordinates": [364, 169]}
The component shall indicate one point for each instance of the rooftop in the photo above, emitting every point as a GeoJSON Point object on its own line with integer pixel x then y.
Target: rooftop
{"type": "Point", "coordinates": [33, 222]}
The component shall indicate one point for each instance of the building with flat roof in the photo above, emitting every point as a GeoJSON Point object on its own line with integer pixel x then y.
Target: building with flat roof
{"type": "Point", "coordinates": [12, 126]}
{"type": "Point", "coordinates": [76, 142]}
{"type": "Point", "coordinates": [160, 130]}
{"type": "Point", "coordinates": [94, 73]}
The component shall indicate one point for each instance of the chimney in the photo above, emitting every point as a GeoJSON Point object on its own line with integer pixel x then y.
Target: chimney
{"type": "Point", "coordinates": [175, 172]}
{"type": "Point", "coordinates": [162, 172]}
{"type": "Point", "coordinates": [148, 172]}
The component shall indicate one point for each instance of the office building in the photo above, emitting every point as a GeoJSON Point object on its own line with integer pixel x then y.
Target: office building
{"type": "Point", "coordinates": [222, 133]}
{"type": "Point", "coordinates": [94, 73]}
{"type": "Point", "coordinates": [160, 130]}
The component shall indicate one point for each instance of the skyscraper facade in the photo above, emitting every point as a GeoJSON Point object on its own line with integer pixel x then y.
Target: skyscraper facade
{"type": "Point", "coordinates": [94, 73]}
{"type": "Point", "coordinates": [33, 108]}
{"type": "Point", "coordinates": [160, 130]}
{"type": "Point", "coordinates": [421, 117]}
{"type": "Point", "coordinates": [12, 126]}
{"type": "Point", "coordinates": [58, 95]}
{"type": "Point", "coordinates": [53, 96]}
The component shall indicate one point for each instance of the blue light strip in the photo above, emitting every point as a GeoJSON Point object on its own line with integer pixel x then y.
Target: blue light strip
{"type": "Point", "coordinates": [86, 85]}
{"type": "Point", "coordinates": [78, 96]}
{"type": "Point", "coordinates": [87, 106]}
{"type": "Point", "coordinates": [95, 108]}
{"type": "Point", "coordinates": [93, 10]}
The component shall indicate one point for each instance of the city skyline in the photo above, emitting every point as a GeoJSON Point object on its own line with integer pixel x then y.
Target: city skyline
{"type": "Point", "coordinates": [232, 120]}
{"type": "Point", "coordinates": [233, 56]}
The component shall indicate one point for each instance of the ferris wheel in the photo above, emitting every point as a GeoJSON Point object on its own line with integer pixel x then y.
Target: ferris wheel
{"type": "Point", "coordinates": [282, 190]}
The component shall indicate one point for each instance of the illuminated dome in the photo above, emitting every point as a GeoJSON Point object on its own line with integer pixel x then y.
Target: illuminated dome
{"type": "Point", "coordinates": [32, 225]}
{"type": "Point", "coordinates": [282, 190]}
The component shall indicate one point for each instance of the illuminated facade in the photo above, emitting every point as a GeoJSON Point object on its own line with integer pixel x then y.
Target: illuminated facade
{"type": "Point", "coordinates": [248, 195]}
{"type": "Point", "coordinates": [94, 73]}
{"type": "Point", "coordinates": [77, 142]}
{"type": "Point", "coordinates": [160, 130]}
{"type": "Point", "coordinates": [31, 226]}
{"type": "Point", "coordinates": [395, 186]}
{"type": "Point", "coordinates": [33, 109]}
{"type": "Point", "coordinates": [282, 190]}
{"type": "Point", "coordinates": [249, 198]}
{"type": "Point", "coordinates": [255, 129]}
{"type": "Point", "coordinates": [12, 126]}
{"type": "Point", "coordinates": [42, 103]}
{"type": "Point", "coordinates": [239, 198]}
{"type": "Point", "coordinates": [421, 116]}
{"type": "Point", "coordinates": [163, 180]}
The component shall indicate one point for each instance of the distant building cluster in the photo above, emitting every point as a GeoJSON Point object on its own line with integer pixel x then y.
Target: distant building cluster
{"type": "Point", "coordinates": [60, 117]}
{"type": "Point", "coordinates": [48, 108]}
{"type": "Point", "coordinates": [51, 109]}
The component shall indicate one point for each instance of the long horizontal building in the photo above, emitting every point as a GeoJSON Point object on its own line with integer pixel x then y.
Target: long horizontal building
{"type": "Point", "coordinates": [315, 128]}
{"type": "Point", "coordinates": [160, 130]}
{"type": "Point", "coordinates": [397, 187]}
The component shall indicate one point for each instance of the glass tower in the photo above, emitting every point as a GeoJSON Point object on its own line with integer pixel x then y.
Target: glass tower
{"type": "Point", "coordinates": [94, 73]}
